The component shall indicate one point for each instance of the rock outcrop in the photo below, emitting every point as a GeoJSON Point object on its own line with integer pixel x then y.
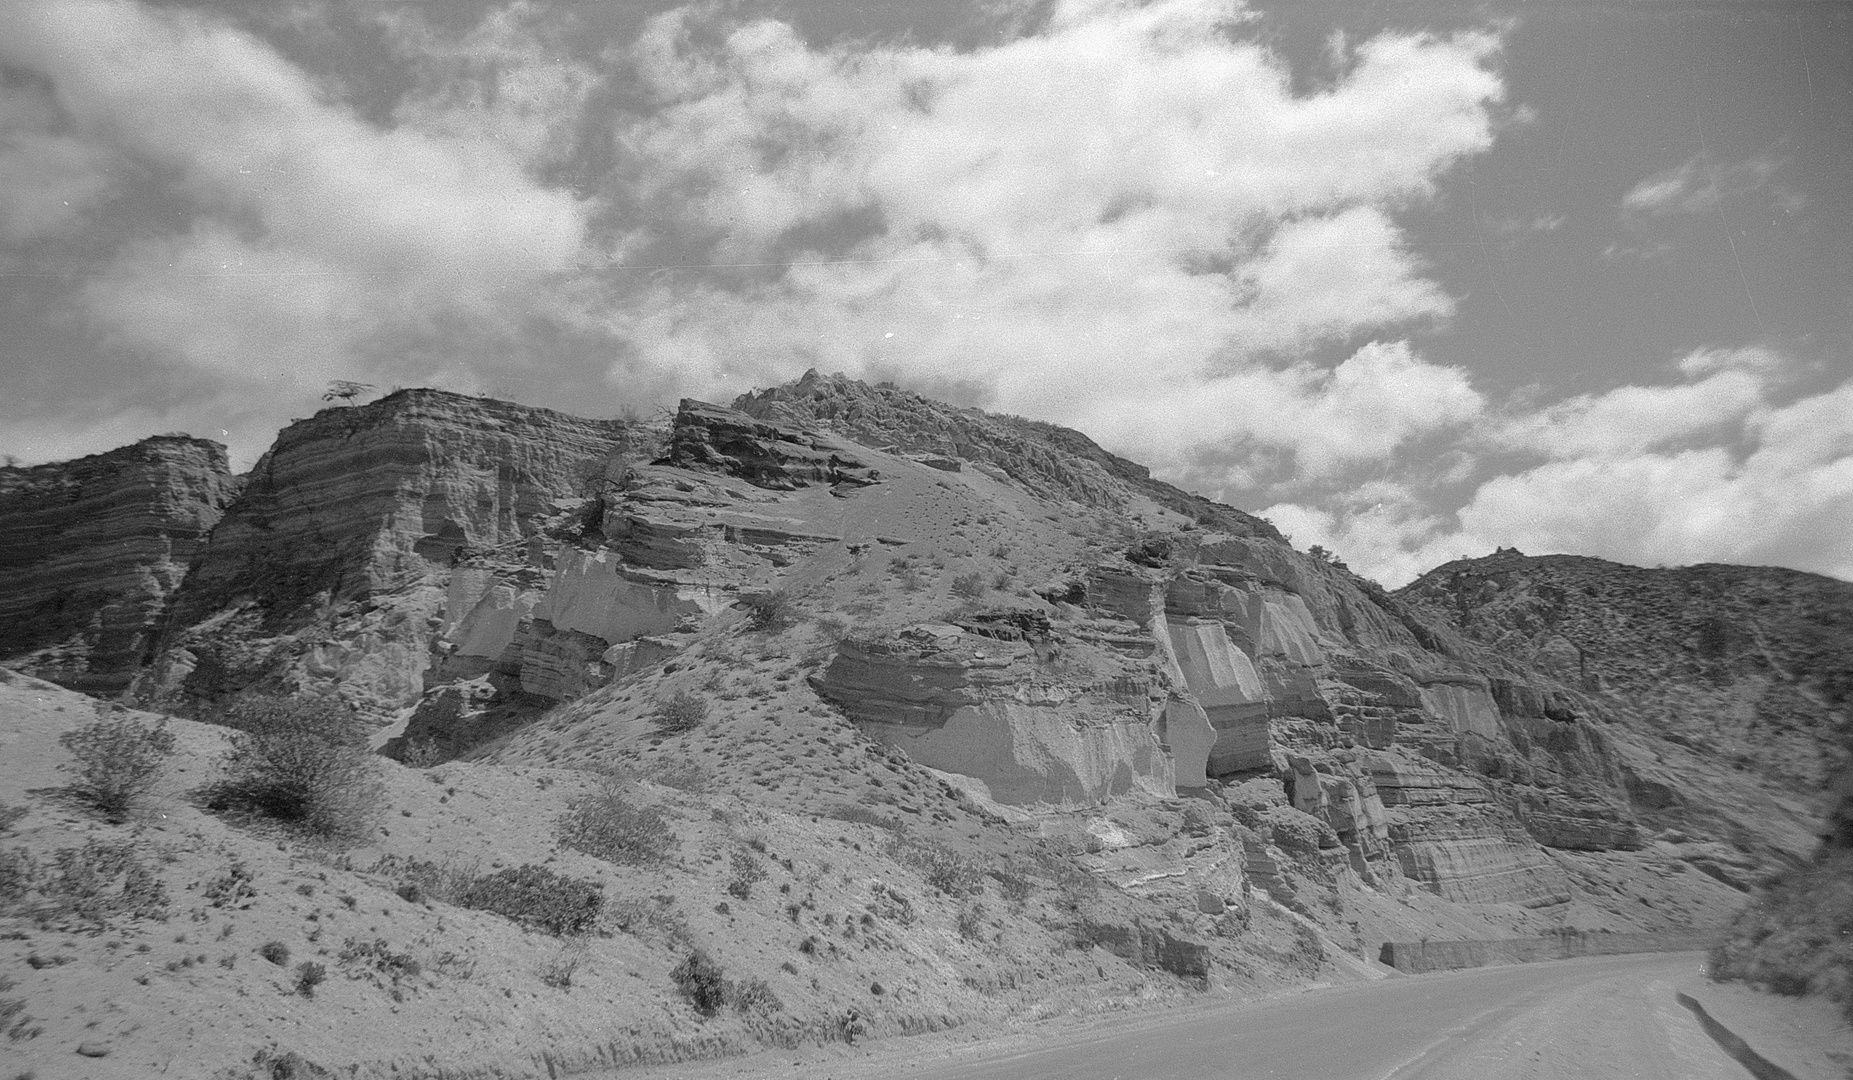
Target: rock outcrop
{"type": "Point", "coordinates": [1716, 686]}
{"type": "Point", "coordinates": [332, 566]}
{"type": "Point", "coordinates": [92, 551]}
{"type": "Point", "coordinates": [1049, 460]}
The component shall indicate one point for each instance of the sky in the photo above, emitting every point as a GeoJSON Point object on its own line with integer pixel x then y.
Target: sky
{"type": "Point", "coordinates": [1412, 280]}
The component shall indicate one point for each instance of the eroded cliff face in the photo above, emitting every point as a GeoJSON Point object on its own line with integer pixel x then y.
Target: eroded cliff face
{"type": "Point", "coordinates": [1034, 619]}
{"type": "Point", "coordinates": [332, 568]}
{"type": "Point", "coordinates": [92, 551]}
{"type": "Point", "coordinates": [1724, 686]}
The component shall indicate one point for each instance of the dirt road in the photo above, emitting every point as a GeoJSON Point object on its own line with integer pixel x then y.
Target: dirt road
{"type": "Point", "coordinates": [1599, 1018]}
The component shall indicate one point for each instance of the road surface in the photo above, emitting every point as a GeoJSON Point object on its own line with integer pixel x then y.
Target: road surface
{"type": "Point", "coordinates": [1601, 1017]}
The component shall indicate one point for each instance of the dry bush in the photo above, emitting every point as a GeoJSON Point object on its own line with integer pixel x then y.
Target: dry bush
{"type": "Point", "coordinates": [309, 975]}
{"type": "Point", "coordinates": [606, 824]}
{"type": "Point", "coordinates": [538, 897]}
{"type": "Point", "coordinates": [87, 886]}
{"type": "Point", "coordinates": [949, 871]}
{"type": "Point", "coordinates": [116, 759]}
{"type": "Point", "coordinates": [9, 817]}
{"type": "Point", "coordinates": [767, 610]}
{"type": "Point", "coordinates": [557, 970]}
{"type": "Point", "coordinates": [302, 761]}
{"type": "Point", "coordinates": [969, 586]}
{"type": "Point", "coordinates": [421, 879]}
{"type": "Point", "coordinates": [700, 980]}
{"type": "Point", "coordinates": [746, 873]}
{"type": "Point", "coordinates": [682, 711]}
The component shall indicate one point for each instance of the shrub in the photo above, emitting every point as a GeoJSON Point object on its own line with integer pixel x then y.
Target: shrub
{"type": "Point", "coordinates": [116, 759]}
{"type": "Point", "coordinates": [607, 825]}
{"type": "Point", "coordinates": [969, 586]}
{"type": "Point", "coordinates": [1014, 887]}
{"type": "Point", "coordinates": [18, 869]}
{"type": "Point", "coordinates": [232, 889]}
{"type": "Point", "coordinates": [301, 761]}
{"type": "Point", "coordinates": [309, 975]}
{"type": "Point", "coordinates": [701, 982]}
{"type": "Point", "coordinates": [557, 970]}
{"type": "Point", "coordinates": [98, 882]}
{"type": "Point", "coordinates": [377, 960]}
{"type": "Point", "coordinates": [421, 879]}
{"type": "Point", "coordinates": [767, 610]}
{"type": "Point", "coordinates": [538, 897]}
{"type": "Point", "coordinates": [9, 816]}
{"type": "Point", "coordinates": [683, 711]}
{"type": "Point", "coordinates": [275, 951]}
{"type": "Point", "coordinates": [754, 996]}
{"type": "Point", "coordinates": [945, 869]}
{"type": "Point", "coordinates": [746, 873]}
{"type": "Point", "coordinates": [971, 922]}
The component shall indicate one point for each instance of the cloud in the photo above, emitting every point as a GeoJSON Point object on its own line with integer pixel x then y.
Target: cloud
{"type": "Point", "coordinates": [273, 236]}
{"type": "Point", "coordinates": [1124, 219]}
{"type": "Point", "coordinates": [1701, 185]}
{"type": "Point", "coordinates": [1724, 466]}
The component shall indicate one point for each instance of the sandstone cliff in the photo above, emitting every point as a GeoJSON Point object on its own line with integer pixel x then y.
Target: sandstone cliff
{"type": "Point", "coordinates": [1039, 622]}
{"type": "Point", "coordinates": [1725, 687]}
{"type": "Point", "coordinates": [1731, 692]}
{"type": "Point", "coordinates": [331, 567]}
{"type": "Point", "coordinates": [92, 551]}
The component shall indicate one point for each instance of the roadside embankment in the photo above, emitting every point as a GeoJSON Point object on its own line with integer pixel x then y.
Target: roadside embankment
{"type": "Point", "coordinates": [1415, 957]}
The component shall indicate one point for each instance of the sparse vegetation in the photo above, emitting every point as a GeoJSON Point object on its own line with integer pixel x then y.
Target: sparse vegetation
{"type": "Point", "coordinates": [14, 1020]}
{"type": "Point", "coordinates": [275, 951]}
{"type": "Point", "coordinates": [88, 886]}
{"type": "Point", "coordinates": [1793, 939]}
{"type": "Point", "coordinates": [309, 975]}
{"type": "Point", "coordinates": [700, 980]}
{"type": "Point", "coordinates": [421, 879]}
{"type": "Point", "coordinates": [970, 586]}
{"type": "Point", "coordinates": [116, 758]}
{"type": "Point", "coordinates": [302, 761]}
{"type": "Point", "coordinates": [9, 817]}
{"type": "Point", "coordinates": [606, 824]}
{"type": "Point", "coordinates": [682, 711]}
{"type": "Point", "coordinates": [767, 610]}
{"type": "Point", "coordinates": [557, 970]}
{"type": "Point", "coordinates": [746, 873]}
{"type": "Point", "coordinates": [706, 987]}
{"type": "Point", "coordinates": [538, 897]}
{"type": "Point", "coordinates": [947, 870]}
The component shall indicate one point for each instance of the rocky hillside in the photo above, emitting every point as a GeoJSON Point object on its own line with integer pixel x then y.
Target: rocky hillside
{"type": "Point", "coordinates": [953, 716]}
{"type": "Point", "coordinates": [1730, 688]}
{"type": "Point", "coordinates": [92, 550]}
{"type": "Point", "coordinates": [1737, 681]}
{"type": "Point", "coordinates": [333, 564]}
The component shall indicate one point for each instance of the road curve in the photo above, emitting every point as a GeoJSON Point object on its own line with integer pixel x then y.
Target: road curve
{"type": "Point", "coordinates": [1598, 1018]}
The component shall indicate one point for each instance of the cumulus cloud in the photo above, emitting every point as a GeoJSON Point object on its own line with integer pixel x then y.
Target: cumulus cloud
{"type": "Point", "coordinates": [1720, 467]}
{"type": "Point", "coordinates": [273, 235]}
{"type": "Point", "coordinates": [1126, 219]}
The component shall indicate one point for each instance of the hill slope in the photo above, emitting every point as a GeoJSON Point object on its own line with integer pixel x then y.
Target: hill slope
{"type": "Point", "coordinates": [952, 718]}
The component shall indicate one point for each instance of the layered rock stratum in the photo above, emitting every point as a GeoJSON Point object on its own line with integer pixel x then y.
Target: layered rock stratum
{"type": "Point", "coordinates": [335, 562]}
{"type": "Point", "coordinates": [873, 622]}
{"type": "Point", "coordinates": [92, 551]}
